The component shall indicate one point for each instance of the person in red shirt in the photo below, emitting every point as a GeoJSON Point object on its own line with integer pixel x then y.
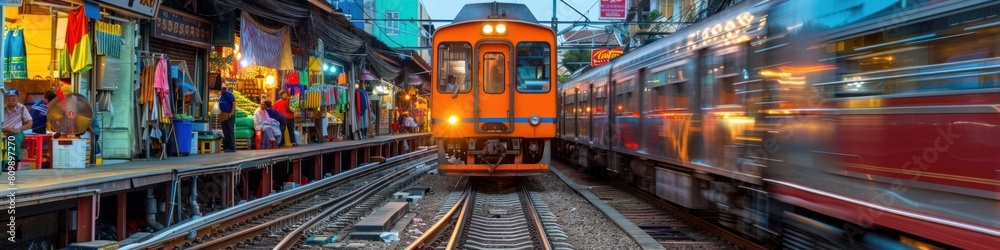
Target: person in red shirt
{"type": "Point", "coordinates": [282, 107]}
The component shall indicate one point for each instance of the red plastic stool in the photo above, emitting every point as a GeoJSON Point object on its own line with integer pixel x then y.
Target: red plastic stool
{"type": "Point", "coordinates": [270, 143]}
{"type": "Point", "coordinates": [35, 149]}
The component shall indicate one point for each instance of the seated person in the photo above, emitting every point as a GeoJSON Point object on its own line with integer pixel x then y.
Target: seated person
{"type": "Point", "coordinates": [451, 84]}
{"type": "Point", "coordinates": [268, 127]}
{"type": "Point", "coordinates": [277, 116]}
{"type": "Point", "coordinates": [39, 113]}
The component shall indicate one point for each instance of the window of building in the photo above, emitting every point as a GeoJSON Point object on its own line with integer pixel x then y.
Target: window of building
{"type": "Point", "coordinates": [392, 26]}
{"type": "Point", "coordinates": [454, 62]}
{"type": "Point", "coordinates": [533, 66]}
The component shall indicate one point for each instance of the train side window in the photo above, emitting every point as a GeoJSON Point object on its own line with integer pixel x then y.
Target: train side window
{"type": "Point", "coordinates": [533, 67]}
{"type": "Point", "coordinates": [656, 92]}
{"type": "Point", "coordinates": [453, 66]}
{"type": "Point", "coordinates": [681, 95]}
{"type": "Point", "coordinates": [493, 73]}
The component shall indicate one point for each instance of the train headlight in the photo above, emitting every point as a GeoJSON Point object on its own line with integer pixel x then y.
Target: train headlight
{"type": "Point", "coordinates": [534, 120]}
{"type": "Point", "coordinates": [487, 29]}
{"type": "Point", "coordinates": [453, 120]}
{"type": "Point", "coordinates": [501, 29]}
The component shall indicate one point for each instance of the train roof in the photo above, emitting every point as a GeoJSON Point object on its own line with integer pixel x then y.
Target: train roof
{"type": "Point", "coordinates": [670, 42]}
{"type": "Point", "coordinates": [510, 11]}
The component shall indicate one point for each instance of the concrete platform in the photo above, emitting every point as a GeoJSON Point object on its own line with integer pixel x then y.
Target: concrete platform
{"type": "Point", "coordinates": [35, 186]}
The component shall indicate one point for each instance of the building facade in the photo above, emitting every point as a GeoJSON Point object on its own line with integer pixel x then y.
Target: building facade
{"type": "Point", "coordinates": [397, 24]}
{"type": "Point", "coordinates": [352, 10]}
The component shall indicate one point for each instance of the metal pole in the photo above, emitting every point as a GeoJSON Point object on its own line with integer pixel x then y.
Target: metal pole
{"type": "Point", "coordinates": [3, 49]}
{"type": "Point", "coordinates": [555, 21]}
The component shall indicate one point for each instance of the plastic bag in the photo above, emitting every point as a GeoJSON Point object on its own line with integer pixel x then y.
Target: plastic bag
{"type": "Point", "coordinates": [216, 110]}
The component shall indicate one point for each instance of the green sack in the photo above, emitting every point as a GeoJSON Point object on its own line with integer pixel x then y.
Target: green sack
{"type": "Point", "coordinates": [243, 134]}
{"type": "Point", "coordinates": [244, 122]}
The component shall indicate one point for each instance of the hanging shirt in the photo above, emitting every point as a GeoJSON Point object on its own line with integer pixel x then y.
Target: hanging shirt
{"type": "Point", "coordinates": [292, 78]}
{"type": "Point", "coordinates": [15, 59]}
{"type": "Point", "coordinates": [78, 42]}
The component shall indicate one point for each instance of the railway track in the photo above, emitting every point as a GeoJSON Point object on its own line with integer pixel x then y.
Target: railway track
{"type": "Point", "coordinates": [671, 227]}
{"type": "Point", "coordinates": [494, 220]}
{"type": "Point", "coordinates": [280, 220]}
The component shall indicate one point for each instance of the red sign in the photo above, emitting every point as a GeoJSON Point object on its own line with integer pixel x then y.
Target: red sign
{"type": "Point", "coordinates": [599, 57]}
{"type": "Point", "coordinates": [613, 9]}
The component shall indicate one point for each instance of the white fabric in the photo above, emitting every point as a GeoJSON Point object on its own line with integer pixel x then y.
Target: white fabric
{"type": "Point", "coordinates": [262, 122]}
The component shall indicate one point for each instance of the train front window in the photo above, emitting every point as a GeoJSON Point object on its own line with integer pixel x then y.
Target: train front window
{"type": "Point", "coordinates": [533, 66]}
{"type": "Point", "coordinates": [453, 63]}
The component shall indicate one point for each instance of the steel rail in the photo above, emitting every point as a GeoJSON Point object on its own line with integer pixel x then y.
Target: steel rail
{"type": "Point", "coordinates": [456, 232]}
{"type": "Point", "coordinates": [217, 224]}
{"type": "Point", "coordinates": [425, 240]}
{"type": "Point", "coordinates": [295, 235]}
{"type": "Point", "coordinates": [284, 221]}
{"type": "Point", "coordinates": [543, 238]}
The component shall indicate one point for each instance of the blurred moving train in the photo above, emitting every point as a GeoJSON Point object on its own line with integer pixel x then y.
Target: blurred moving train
{"type": "Point", "coordinates": [809, 124]}
{"type": "Point", "coordinates": [494, 106]}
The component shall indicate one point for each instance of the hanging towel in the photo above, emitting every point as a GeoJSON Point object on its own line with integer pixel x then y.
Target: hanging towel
{"type": "Point", "coordinates": [78, 43]}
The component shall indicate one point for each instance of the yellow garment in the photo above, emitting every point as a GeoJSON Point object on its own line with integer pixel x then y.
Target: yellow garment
{"type": "Point", "coordinates": [81, 59]}
{"type": "Point", "coordinates": [315, 64]}
{"type": "Point", "coordinates": [286, 54]}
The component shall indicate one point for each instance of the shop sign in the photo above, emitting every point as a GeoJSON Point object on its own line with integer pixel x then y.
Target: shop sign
{"type": "Point", "coordinates": [613, 9]}
{"type": "Point", "coordinates": [599, 57]}
{"type": "Point", "coordinates": [10, 3]}
{"type": "Point", "coordinates": [171, 24]}
{"type": "Point", "coordinates": [143, 7]}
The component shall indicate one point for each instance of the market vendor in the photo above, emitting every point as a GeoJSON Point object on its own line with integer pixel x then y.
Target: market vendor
{"type": "Point", "coordinates": [289, 125]}
{"type": "Point", "coordinates": [17, 119]}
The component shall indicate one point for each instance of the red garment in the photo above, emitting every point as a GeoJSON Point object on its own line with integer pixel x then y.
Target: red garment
{"type": "Point", "coordinates": [282, 107]}
{"type": "Point", "coordinates": [292, 78]}
{"type": "Point", "coordinates": [76, 28]}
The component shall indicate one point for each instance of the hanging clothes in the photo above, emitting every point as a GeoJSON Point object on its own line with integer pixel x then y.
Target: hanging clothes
{"type": "Point", "coordinates": [15, 58]}
{"type": "Point", "coordinates": [265, 46]}
{"type": "Point", "coordinates": [304, 78]}
{"type": "Point", "coordinates": [162, 86]}
{"type": "Point", "coordinates": [78, 42]}
{"type": "Point", "coordinates": [109, 39]}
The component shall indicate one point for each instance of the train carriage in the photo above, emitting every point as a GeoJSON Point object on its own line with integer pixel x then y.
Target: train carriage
{"type": "Point", "coordinates": [493, 108]}
{"type": "Point", "coordinates": [809, 123]}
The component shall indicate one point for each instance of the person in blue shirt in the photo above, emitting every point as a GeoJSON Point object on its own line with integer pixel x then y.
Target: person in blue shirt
{"type": "Point", "coordinates": [226, 118]}
{"type": "Point", "coordinates": [39, 113]}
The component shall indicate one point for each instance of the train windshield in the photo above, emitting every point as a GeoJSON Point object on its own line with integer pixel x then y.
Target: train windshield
{"type": "Point", "coordinates": [533, 67]}
{"type": "Point", "coordinates": [454, 61]}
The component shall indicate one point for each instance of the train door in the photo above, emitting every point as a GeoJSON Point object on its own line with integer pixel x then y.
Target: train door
{"type": "Point", "coordinates": [494, 99]}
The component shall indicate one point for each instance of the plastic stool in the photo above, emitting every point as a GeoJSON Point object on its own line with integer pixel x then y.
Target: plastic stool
{"type": "Point", "coordinates": [208, 146]}
{"type": "Point", "coordinates": [35, 145]}
{"type": "Point", "coordinates": [270, 143]}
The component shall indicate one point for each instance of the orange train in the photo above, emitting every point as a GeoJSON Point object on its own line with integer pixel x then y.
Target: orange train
{"type": "Point", "coordinates": [494, 106]}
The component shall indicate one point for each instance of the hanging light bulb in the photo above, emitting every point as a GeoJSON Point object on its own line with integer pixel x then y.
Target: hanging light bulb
{"type": "Point", "coordinates": [269, 81]}
{"type": "Point", "coordinates": [326, 66]}
{"type": "Point", "coordinates": [244, 63]}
